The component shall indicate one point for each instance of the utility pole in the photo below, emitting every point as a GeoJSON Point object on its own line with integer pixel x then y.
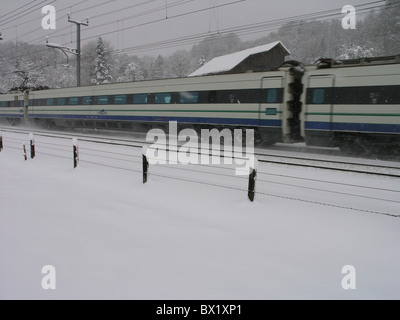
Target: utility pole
{"type": "Point", "coordinates": [77, 51]}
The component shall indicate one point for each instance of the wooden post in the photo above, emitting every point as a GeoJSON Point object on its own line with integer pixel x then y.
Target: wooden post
{"type": "Point", "coordinates": [252, 184]}
{"type": "Point", "coordinates": [33, 149]}
{"type": "Point", "coordinates": [76, 152]}
{"type": "Point", "coordinates": [145, 169]}
{"type": "Point", "coordinates": [145, 165]}
{"type": "Point", "coordinates": [25, 154]}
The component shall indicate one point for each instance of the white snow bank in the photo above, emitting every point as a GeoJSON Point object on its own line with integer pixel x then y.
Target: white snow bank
{"type": "Point", "coordinates": [110, 237]}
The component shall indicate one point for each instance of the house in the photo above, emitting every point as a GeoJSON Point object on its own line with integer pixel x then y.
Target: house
{"type": "Point", "coordinates": [262, 58]}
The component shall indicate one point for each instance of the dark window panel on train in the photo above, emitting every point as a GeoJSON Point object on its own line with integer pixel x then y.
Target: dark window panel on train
{"type": "Point", "coordinates": [271, 112]}
{"type": "Point", "coordinates": [103, 100]}
{"type": "Point", "coordinates": [87, 101]}
{"type": "Point", "coordinates": [319, 96]}
{"type": "Point", "coordinates": [121, 99]}
{"type": "Point", "coordinates": [368, 95]}
{"type": "Point", "coordinates": [61, 101]}
{"type": "Point", "coordinates": [73, 101]}
{"type": "Point", "coordinates": [212, 97]}
{"type": "Point", "coordinates": [163, 98]}
{"type": "Point", "coordinates": [272, 96]}
{"type": "Point", "coordinates": [140, 99]}
{"type": "Point", "coordinates": [189, 97]}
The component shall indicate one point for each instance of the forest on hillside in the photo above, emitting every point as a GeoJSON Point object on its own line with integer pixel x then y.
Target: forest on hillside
{"type": "Point", "coordinates": [35, 66]}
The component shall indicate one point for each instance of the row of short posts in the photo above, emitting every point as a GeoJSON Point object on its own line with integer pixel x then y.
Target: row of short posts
{"type": "Point", "coordinates": [252, 176]}
{"type": "Point", "coordinates": [32, 146]}
{"type": "Point", "coordinates": [33, 149]}
{"type": "Point", "coordinates": [146, 164]}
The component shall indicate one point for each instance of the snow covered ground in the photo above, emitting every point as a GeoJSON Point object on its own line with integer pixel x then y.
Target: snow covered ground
{"type": "Point", "coordinates": [111, 237]}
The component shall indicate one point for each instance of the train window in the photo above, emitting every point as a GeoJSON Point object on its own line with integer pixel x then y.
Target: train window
{"type": "Point", "coordinates": [272, 96]}
{"type": "Point", "coordinates": [50, 102]}
{"type": "Point", "coordinates": [61, 101]}
{"type": "Point", "coordinates": [163, 98]}
{"type": "Point", "coordinates": [73, 101]}
{"type": "Point", "coordinates": [122, 99]}
{"type": "Point", "coordinates": [319, 96]}
{"type": "Point", "coordinates": [271, 112]}
{"type": "Point", "coordinates": [212, 97]}
{"type": "Point", "coordinates": [140, 99]}
{"type": "Point", "coordinates": [39, 102]}
{"type": "Point", "coordinates": [103, 100]}
{"type": "Point", "coordinates": [3, 104]}
{"type": "Point", "coordinates": [239, 96]}
{"type": "Point", "coordinates": [87, 101]}
{"type": "Point", "coordinates": [189, 97]}
{"type": "Point", "coordinates": [227, 97]}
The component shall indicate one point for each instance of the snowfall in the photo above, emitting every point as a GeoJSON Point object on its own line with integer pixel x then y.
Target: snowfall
{"type": "Point", "coordinates": [189, 233]}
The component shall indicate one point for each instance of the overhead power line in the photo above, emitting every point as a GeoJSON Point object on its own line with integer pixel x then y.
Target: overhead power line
{"type": "Point", "coordinates": [22, 7]}
{"type": "Point", "coordinates": [241, 30]}
{"type": "Point", "coordinates": [22, 14]}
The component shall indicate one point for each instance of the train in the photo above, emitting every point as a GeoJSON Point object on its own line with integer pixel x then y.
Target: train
{"type": "Point", "coordinates": [351, 104]}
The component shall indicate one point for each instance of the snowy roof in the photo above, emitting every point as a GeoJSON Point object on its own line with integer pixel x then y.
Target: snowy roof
{"type": "Point", "coordinates": [230, 61]}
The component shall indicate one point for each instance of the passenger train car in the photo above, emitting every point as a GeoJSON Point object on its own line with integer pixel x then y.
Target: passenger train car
{"type": "Point", "coordinates": [354, 105]}
{"type": "Point", "coordinates": [349, 105]}
{"type": "Point", "coordinates": [254, 100]}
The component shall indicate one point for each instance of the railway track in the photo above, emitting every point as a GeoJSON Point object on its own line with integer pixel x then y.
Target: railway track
{"type": "Point", "coordinates": [368, 167]}
{"type": "Point", "coordinates": [335, 163]}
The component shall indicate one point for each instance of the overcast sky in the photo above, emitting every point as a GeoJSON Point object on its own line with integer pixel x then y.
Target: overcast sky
{"type": "Point", "coordinates": [145, 20]}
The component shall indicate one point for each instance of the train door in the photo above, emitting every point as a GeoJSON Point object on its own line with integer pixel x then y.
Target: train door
{"type": "Point", "coordinates": [318, 116]}
{"type": "Point", "coordinates": [271, 109]}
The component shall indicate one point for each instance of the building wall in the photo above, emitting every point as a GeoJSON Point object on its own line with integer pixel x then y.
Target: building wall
{"type": "Point", "coordinates": [262, 62]}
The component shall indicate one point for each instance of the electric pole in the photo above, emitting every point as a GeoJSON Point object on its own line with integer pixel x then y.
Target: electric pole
{"type": "Point", "coordinates": [77, 51]}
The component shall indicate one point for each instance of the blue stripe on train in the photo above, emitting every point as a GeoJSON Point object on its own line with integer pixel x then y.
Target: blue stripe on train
{"type": "Point", "coordinates": [359, 127]}
{"type": "Point", "coordinates": [218, 121]}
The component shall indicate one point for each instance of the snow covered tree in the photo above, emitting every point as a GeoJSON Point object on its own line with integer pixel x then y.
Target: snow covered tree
{"type": "Point", "coordinates": [390, 27]}
{"type": "Point", "coordinates": [157, 69]}
{"type": "Point", "coordinates": [132, 72]}
{"type": "Point", "coordinates": [102, 71]}
{"type": "Point", "coordinates": [180, 64]}
{"type": "Point", "coordinates": [201, 62]}
{"type": "Point", "coordinates": [355, 52]}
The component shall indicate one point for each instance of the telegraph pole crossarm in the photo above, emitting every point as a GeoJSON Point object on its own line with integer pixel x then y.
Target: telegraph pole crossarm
{"type": "Point", "coordinates": [78, 41]}
{"type": "Point", "coordinates": [76, 51]}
